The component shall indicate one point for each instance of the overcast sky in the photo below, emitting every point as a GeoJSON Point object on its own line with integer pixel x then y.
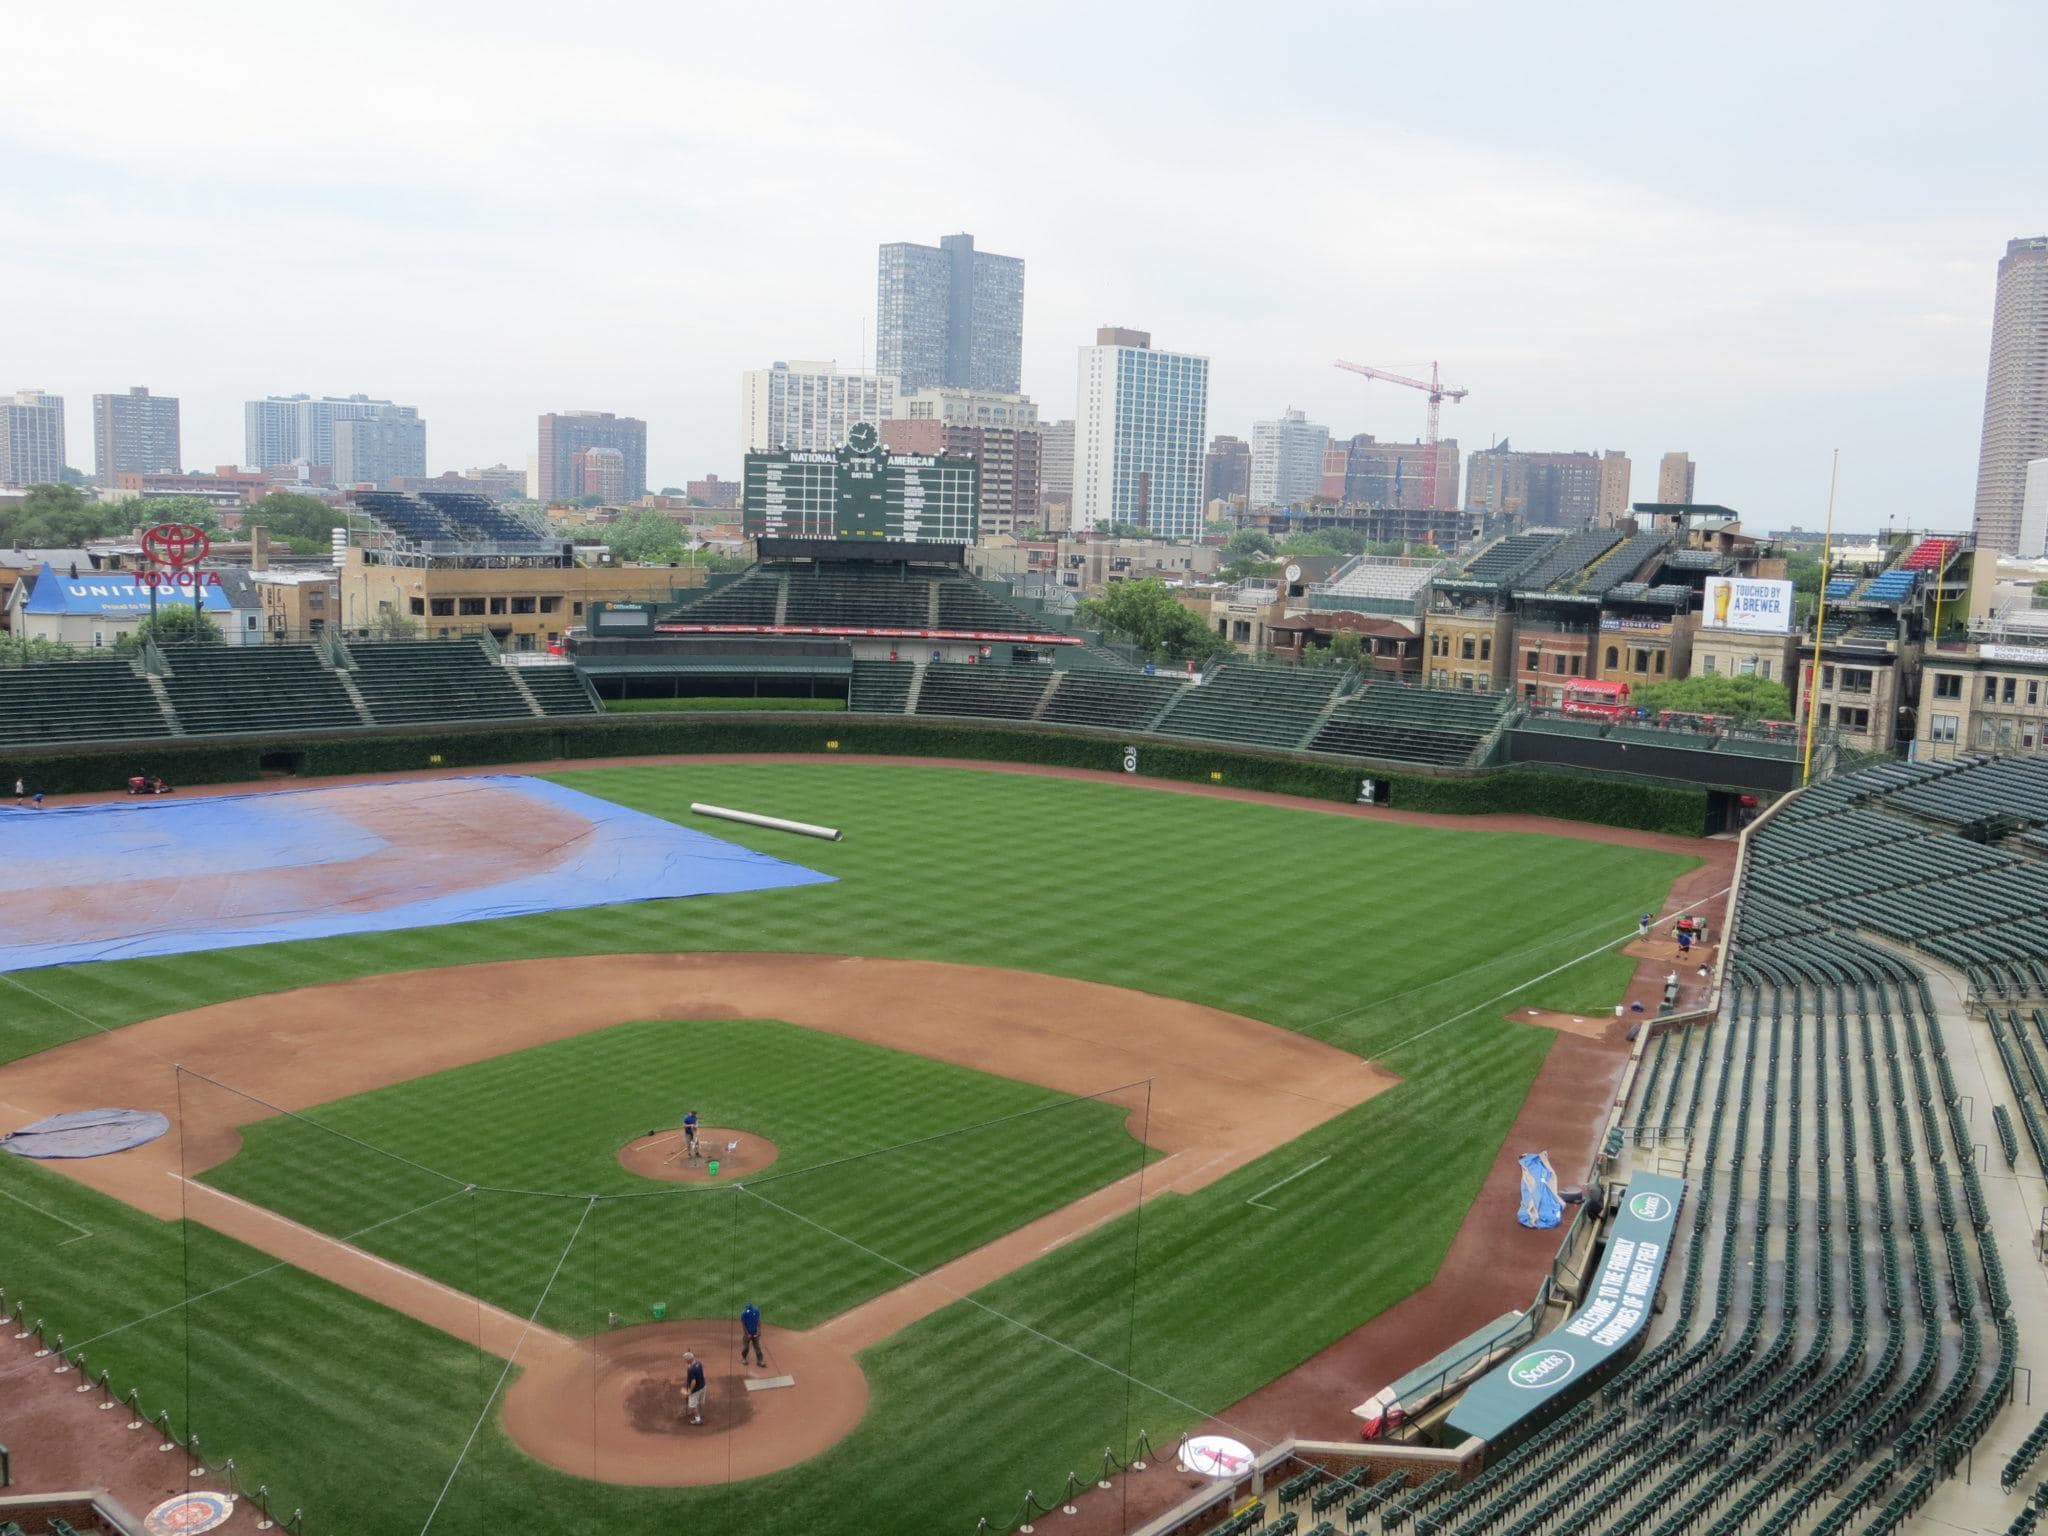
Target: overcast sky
{"type": "Point", "coordinates": [1753, 233]}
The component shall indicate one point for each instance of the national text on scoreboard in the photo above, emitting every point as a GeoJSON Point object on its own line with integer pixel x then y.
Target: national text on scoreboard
{"type": "Point", "coordinates": [861, 491]}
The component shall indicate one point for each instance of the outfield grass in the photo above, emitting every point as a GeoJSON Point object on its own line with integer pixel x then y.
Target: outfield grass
{"type": "Point", "coordinates": [1362, 933]}
{"type": "Point", "coordinates": [914, 1160]}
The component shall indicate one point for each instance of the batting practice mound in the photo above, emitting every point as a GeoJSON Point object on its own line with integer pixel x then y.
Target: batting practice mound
{"type": "Point", "coordinates": [629, 1383]}
{"type": "Point", "coordinates": [123, 880]}
{"type": "Point", "coordinates": [661, 1155]}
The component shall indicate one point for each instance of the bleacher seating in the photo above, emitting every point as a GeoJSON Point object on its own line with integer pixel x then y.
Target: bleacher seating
{"type": "Point", "coordinates": [751, 599]}
{"type": "Point", "coordinates": [559, 691]}
{"type": "Point", "coordinates": [1567, 558]}
{"type": "Point", "coordinates": [1840, 586]}
{"type": "Point", "coordinates": [1379, 578]}
{"type": "Point", "coordinates": [1894, 586]}
{"type": "Point", "coordinates": [996, 693]}
{"type": "Point", "coordinates": [221, 688]}
{"type": "Point", "coordinates": [1418, 725]}
{"type": "Point", "coordinates": [1930, 554]}
{"type": "Point", "coordinates": [1622, 562]}
{"type": "Point", "coordinates": [880, 687]}
{"type": "Point", "coordinates": [405, 681]}
{"type": "Point", "coordinates": [1257, 705]}
{"type": "Point", "coordinates": [1502, 563]}
{"type": "Point", "coordinates": [63, 701]}
{"type": "Point", "coordinates": [858, 597]}
{"type": "Point", "coordinates": [1114, 700]}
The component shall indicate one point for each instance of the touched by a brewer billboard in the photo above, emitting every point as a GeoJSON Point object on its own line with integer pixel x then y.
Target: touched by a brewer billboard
{"type": "Point", "coordinates": [1740, 602]}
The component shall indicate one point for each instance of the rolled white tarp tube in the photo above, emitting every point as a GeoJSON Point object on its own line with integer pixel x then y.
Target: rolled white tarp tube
{"type": "Point", "coordinates": [772, 823]}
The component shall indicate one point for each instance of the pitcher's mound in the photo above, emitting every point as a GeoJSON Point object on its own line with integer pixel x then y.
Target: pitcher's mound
{"type": "Point", "coordinates": [611, 1408]}
{"type": "Point", "coordinates": [657, 1156]}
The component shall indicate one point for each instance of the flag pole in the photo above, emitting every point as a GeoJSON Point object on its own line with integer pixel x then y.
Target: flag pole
{"type": "Point", "coordinates": [1820, 617]}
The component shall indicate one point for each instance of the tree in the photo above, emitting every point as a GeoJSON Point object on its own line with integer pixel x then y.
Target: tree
{"type": "Point", "coordinates": [390, 624]}
{"type": "Point", "coordinates": [1146, 615]}
{"type": "Point", "coordinates": [26, 651]}
{"type": "Point", "coordinates": [1248, 543]}
{"type": "Point", "coordinates": [148, 511]}
{"type": "Point", "coordinates": [1803, 571]}
{"type": "Point", "coordinates": [1745, 698]}
{"type": "Point", "coordinates": [1346, 649]}
{"type": "Point", "coordinates": [2040, 593]}
{"type": "Point", "coordinates": [60, 517]}
{"type": "Point", "coordinates": [646, 537]}
{"type": "Point", "coordinates": [1327, 541]}
{"type": "Point", "coordinates": [175, 624]}
{"type": "Point", "coordinates": [305, 524]}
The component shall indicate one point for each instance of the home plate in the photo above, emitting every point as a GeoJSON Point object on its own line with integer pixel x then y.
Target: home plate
{"type": "Point", "coordinates": [769, 1383]}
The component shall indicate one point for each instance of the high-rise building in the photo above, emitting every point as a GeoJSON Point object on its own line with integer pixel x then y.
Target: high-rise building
{"type": "Point", "coordinates": [1287, 459]}
{"type": "Point", "coordinates": [949, 314]}
{"type": "Point", "coordinates": [564, 433]}
{"type": "Point", "coordinates": [2015, 393]}
{"type": "Point", "coordinates": [1674, 478]}
{"type": "Point", "coordinates": [375, 450]}
{"type": "Point", "coordinates": [135, 433]}
{"type": "Point", "coordinates": [1227, 470]}
{"type": "Point", "coordinates": [1549, 490]}
{"type": "Point", "coordinates": [1366, 473]}
{"type": "Point", "coordinates": [1142, 418]}
{"type": "Point", "coordinates": [2033, 537]}
{"type": "Point", "coordinates": [1056, 460]}
{"type": "Point", "coordinates": [810, 406]}
{"type": "Point", "coordinates": [32, 438]}
{"type": "Point", "coordinates": [293, 429]}
{"type": "Point", "coordinates": [969, 408]}
{"type": "Point", "coordinates": [1615, 474]}
{"type": "Point", "coordinates": [601, 472]}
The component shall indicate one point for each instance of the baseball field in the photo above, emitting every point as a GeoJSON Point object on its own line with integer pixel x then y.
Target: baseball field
{"type": "Point", "coordinates": [1066, 1111]}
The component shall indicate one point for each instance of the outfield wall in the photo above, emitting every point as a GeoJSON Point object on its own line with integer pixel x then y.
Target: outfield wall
{"type": "Point", "coordinates": [1522, 790]}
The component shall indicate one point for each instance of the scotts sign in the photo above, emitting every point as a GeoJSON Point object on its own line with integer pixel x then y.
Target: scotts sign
{"type": "Point", "coordinates": [1613, 1311]}
{"type": "Point", "coordinates": [174, 552]}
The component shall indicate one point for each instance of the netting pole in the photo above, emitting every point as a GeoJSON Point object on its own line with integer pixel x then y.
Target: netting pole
{"type": "Point", "coordinates": [1131, 1317]}
{"type": "Point", "coordinates": [184, 1244]}
{"type": "Point", "coordinates": [596, 1328]}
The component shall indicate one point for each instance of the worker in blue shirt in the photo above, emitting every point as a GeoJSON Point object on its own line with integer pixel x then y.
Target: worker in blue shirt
{"type": "Point", "coordinates": [750, 1334]}
{"type": "Point", "coordinates": [693, 1386]}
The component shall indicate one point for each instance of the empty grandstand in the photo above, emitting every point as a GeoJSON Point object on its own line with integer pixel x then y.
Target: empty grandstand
{"type": "Point", "coordinates": [1375, 584]}
{"type": "Point", "coordinates": [453, 525]}
{"type": "Point", "coordinates": [1422, 725]}
{"type": "Point", "coordinates": [1259, 706]}
{"type": "Point", "coordinates": [1838, 1339]}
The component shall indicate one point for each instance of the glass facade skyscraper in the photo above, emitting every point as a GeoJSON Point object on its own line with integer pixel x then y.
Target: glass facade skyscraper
{"type": "Point", "coordinates": [1140, 430]}
{"type": "Point", "coordinates": [949, 315]}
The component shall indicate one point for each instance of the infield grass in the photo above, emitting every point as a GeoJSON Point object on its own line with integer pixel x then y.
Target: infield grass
{"type": "Point", "coordinates": [1397, 942]}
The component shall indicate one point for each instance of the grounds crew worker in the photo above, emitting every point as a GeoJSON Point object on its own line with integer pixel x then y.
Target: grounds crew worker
{"type": "Point", "coordinates": [693, 1386]}
{"type": "Point", "coordinates": [750, 1335]}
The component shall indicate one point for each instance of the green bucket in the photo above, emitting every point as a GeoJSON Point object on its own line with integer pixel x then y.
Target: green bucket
{"type": "Point", "coordinates": [661, 1311]}
{"type": "Point", "coordinates": [713, 1170]}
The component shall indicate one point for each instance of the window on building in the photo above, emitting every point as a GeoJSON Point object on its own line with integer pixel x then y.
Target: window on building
{"type": "Point", "coordinates": [419, 606]}
{"type": "Point", "coordinates": [1763, 669]}
{"type": "Point", "coordinates": [1558, 664]}
{"type": "Point", "coordinates": [443, 608]}
{"type": "Point", "coordinates": [1857, 679]}
{"type": "Point", "coordinates": [522, 641]}
{"type": "Point", "coordinates": [575, 610]}
{"type": "Point", "coordinates": [2008, 692]}
{"type": "Point", "coordinates": [1534, 661]}
{"type": "Point", "coordinates": [1827, 677]}
{"type": "Point", "coordinates": [1660, 663]}
{"type": "Point", "coordinates": [1748, 667]}
{"type": "Point", "coordinates": [522, 605]}
{"type": "Point", "coordinates": [1948, 685]}
{"type": "Point", "coordinates": [1707, 665]}
{"type": "Point", "coordinates": [1853, 718]}
{"type": "Point", "coordinates": [1613, 657]}
{"type": "Point", "coordinates": [497, 605]}
{"type": "Point", "coordinates": [551, 605]}
{"type": "Point", "coordinates": [1642, 659]}
{"type": "Point", "coordinates": [470, 606]}
{"type": "Point", "coordinates": [1486, 648]}
{"type": "Point", "coordinates": [1466, 649]}
{"type": "Point", "coordinates": [1986, 736]}
{"type": "Point", "coordinates": [1941, 728]}
{"type": "Point", "coordinates": [2033, 690]}
{"type": "Point", "coordinates": [316, 598]}
{"type": "Point", "coordinates": [1827, 714]}
{"type": "Point", "coordinates": [1990, 690]}
{"type": "Point", "coordinates": [1575, 665]}
{"type": "Point", "coordinates": [1529, 692]}
{"type": "Point", "coordinates": [317, 625]}
{"type": "Point", "coordinates": [2029, 731]}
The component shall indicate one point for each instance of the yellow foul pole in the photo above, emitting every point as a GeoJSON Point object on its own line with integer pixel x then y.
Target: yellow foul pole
{"type": "Point", "coordinates": [1820, 617]}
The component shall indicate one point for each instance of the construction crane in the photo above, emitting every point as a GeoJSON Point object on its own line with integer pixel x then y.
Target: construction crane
{"type": "Point", "coordinates": [1438, 393]}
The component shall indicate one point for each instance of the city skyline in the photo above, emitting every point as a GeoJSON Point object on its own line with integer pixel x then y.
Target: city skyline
{"type": "Point", "coordinates": [1594, 290]}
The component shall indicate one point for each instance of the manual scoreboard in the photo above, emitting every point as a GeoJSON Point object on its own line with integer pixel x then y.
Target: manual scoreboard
{"type": "Point", "coordinates": [861, 491]}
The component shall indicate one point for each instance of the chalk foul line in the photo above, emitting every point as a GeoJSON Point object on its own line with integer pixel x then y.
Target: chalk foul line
{"type": "Point", "coordinates": [1259, 1198]}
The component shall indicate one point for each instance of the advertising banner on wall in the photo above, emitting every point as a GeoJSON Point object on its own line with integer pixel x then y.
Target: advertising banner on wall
{"type": "Point", "coordinates": [1616, 1306]}
{"type": "Point", "coordinates": [1741, 602]}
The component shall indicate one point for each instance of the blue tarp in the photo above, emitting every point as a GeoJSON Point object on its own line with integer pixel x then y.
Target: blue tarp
{"type": "Point", "coordinates": [173, 876]}
{"type": "Point", "coordinates": [87, 1133]}
{"type": "Point", "coordinates": [1540, 1205]}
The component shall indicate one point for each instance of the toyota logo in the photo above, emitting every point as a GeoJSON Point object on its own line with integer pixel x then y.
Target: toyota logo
{"type": "Point", "coordinates": [177, 545]}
